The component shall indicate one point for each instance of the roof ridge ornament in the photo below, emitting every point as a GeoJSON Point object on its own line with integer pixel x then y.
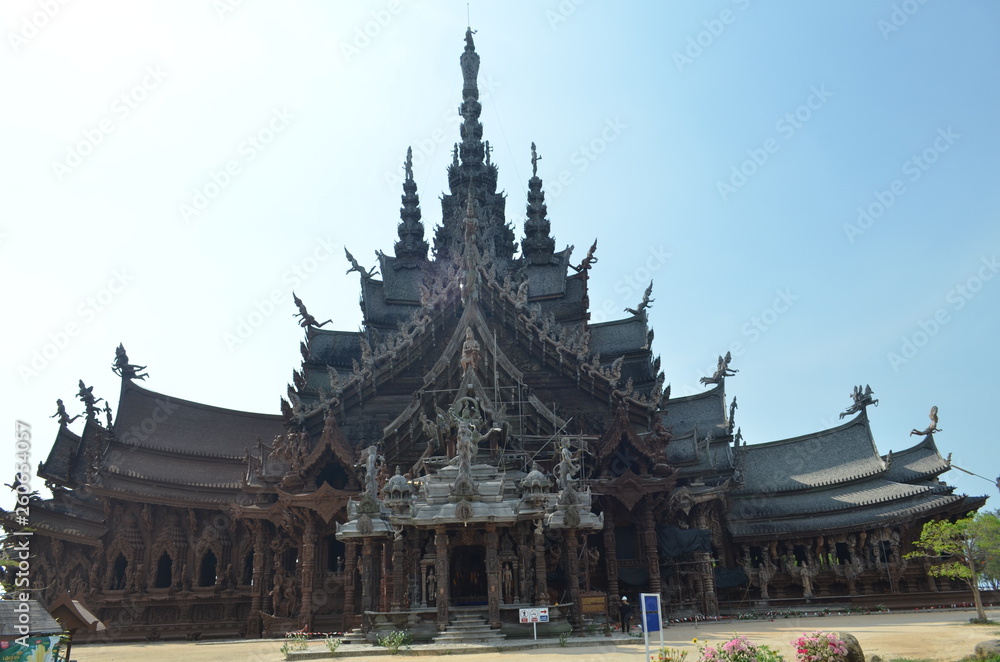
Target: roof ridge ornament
{"type": "Point", "coordinates": [123, 368]}
{"type": "Point", "coordinates": [640, 310]}
{"type": "Point", "coordinates": [932, 428]}
{"type": "Point", "coordinates": [862, 398]}
{"type": "Point", "coordinates": [722, 371]}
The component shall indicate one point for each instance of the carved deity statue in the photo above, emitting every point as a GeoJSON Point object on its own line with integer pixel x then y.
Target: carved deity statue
{"type": "Point", "coordinates": [371, 461]}
{"type": "Point", "coordinates": [568, 465]}
{"type": "Point", "coordinates": [86, 395]}
{"type": "Point", "coordinates": [470, 350]}
{"type": "Point", "coordinates": [534, 160]}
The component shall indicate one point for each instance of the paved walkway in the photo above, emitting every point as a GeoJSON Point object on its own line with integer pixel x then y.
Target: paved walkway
{"type": "Point", "coordinates": [940, 636]}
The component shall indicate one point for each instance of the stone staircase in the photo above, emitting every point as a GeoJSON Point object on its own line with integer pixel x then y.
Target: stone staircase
{"type": "Point", "coordinates": [469, 626]}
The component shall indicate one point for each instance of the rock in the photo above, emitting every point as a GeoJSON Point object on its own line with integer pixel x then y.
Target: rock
{"type": "Point", "coordinates": [854, 652]}
{"type": "Point", "coordinates": [985, 649]}
{"type": "Point", "coordinates": [875, 658]}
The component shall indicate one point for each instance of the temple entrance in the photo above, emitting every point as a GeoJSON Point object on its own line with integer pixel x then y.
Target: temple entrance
{"type": "Point", "coordinates": [468, 575]}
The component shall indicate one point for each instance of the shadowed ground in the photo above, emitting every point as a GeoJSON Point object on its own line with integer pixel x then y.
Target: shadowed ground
{"type": "Point", "coordinates": [942, 636]}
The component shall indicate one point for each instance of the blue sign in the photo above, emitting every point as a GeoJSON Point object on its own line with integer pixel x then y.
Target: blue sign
{"type": "Point", "coordinates": [651, 609]}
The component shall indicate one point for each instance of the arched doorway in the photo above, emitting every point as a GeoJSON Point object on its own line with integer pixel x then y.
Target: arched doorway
{"type": "Point", "coordinates": [468, 575]}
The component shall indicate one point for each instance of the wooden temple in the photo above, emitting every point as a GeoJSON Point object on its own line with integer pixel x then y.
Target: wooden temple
{"type": "Point", "coordinates": [477, 447]}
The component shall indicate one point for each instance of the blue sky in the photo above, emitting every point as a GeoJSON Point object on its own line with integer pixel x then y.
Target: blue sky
{"type": "Point", "coordinates": [727, 150]}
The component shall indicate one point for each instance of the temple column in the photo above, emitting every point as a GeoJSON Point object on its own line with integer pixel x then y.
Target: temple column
{"type": "Point", "coordinates": [350, 579]}
{"type": "Point", "coordinates": [257, 596]}
{"type": "Point", "coordinates": [441, 570]}
{"type": "Point", "coordinates": [524, 552]}
{"type": "Point", "coordinates": [308, 571]}
{"type": "Point", "coordinates": [572, 548]}
{"type": "Point", "coordinates": [493, 575]}
{"type": "Point", "coordinates": [711, 601]}
{"type": "Point", "coordinates": [611, 560]}
{"type": "Point", "coordinates": [367, 587]}
{"type": "Point", "coordinates": [398, 573]}
{"type": "Point", "coordinates": [541, 581]}
{"type": "Point", "coordinates": [652, 555]}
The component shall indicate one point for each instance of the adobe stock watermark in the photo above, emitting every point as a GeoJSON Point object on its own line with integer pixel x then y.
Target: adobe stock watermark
{"type": "Point", "coordinates": [121, 109]}
{"type": "Point", "coordinates": [222, 177]}
{"type": "Point", "coordinates": [631, 286]}
{"type": "Point", "coordinates": [913, 169]}
{"type": "Point", "coordinates": [264, 307]}
{"type": "Point", "coordinates": [787, 126]}
{"type": "Point", "coordinates": [704, 39]}
{"type": "Point", "coordinates": [33, 24]}
{"type": "Point", "coordinates": [54, 343]}
{"type": "Point", "coordinates": [898, 17]}
{"type": "Point", "coordinates": [585, 155]}
{"type": "Point", "coordinates": [20, 547]}
{"type": "Point", "coordinates": [562, 12]}
{"type": "Point", "coordinates": [379, 20]}
{"type": "Point", "coordinates": [751, 331]}
{"type": "Point", "coordinates": [223, 8]}
{"type": "Point", "coordinates": [956, 299]}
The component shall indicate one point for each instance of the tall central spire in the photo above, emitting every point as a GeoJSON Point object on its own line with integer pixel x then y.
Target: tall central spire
{"type": "Point", "coordinates": [472, 173]}
{"type": "Point", "coordinates": [472, 131]}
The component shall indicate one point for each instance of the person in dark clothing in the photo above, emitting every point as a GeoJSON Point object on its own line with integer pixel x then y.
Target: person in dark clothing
{"type": "Point", "coordinates": [625, 611]}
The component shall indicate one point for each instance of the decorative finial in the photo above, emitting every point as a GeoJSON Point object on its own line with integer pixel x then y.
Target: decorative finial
{"type": "Point", "coordinates": [306, 320]}
{"type": "Point", "coordinates": [721, 371]}
{"type": "Point", "coordinates": [408, 164]}
{"type": "Point", "coordinates": [123, 368]}
{"type": "Point", "coordinates": [932, 428]}
{"type": "Point", "coordinates": [644, 304]}
{"type": "Point", "coordinates": [534, 160]}
{"type": "Point", "coordinates": [862, 398]}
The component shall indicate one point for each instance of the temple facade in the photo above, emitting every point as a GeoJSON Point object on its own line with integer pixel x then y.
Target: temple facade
{"type": "Point", "coordinates": [477, 447]}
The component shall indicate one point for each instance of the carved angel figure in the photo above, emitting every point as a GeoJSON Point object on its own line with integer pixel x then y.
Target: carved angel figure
{"type": "Point", "coordinates": [722, 370]}
{"type": "Point", "coordinates": [61, 415]}
{"type": "Point", "coordinates": [123, 368]}
{"type": "Point", "coordinates": [357, 267]}
{"type": "Point", "coordinates": [588, 261]}
{"type": "Point", "coordinates": [644, 304]}
{"type": "Point", "coordinates": [306, 320]}
{"type": "Point", "coordinates": [932, 428]}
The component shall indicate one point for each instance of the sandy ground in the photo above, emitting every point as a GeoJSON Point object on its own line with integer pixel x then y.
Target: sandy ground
{"type": "Point", "coordinates": [941, 636]}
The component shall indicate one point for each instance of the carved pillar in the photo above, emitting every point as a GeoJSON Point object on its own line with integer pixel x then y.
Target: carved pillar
{"type": "Point", "coordinates": [308, 571]}
{"type": "Point", "coordinates": [652, 555]}
{"type": "Point", "coordinates": [711, 601]}
{"type": "Point", "coordinates": [350, 580]}
{"type": "Point", "coordinates": [367, 586]}
{"type": "Point", "coordinates": [257, 597]}
{"type": "Point", "coordinates": [441, 570]}
{"type": "Point", "coordinates": [493, 576]}
{"type": "Point", "coordinates": [384, 576]}
{"type": "Point", "coordinates": [572, 549]}
{"type": "Point", "coordinates": [525, 553]}
{"type": "Point", "coordinates": [398, 573]}
{"type": "Point", "coordinates": [541, 581]}
{"type": "Point", "coordinates": [611, 561]}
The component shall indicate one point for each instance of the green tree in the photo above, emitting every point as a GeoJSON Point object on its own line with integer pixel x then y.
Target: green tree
{"type": "Point", "coordinates": [989, 549]}
{"type": "Point", "coordinates": [960, 549]}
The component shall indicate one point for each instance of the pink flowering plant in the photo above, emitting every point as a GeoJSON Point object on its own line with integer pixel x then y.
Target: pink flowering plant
{"type": "Point", "coordinates": [739, 649]}
{"type": "Point", "coordinates": [820, 647]}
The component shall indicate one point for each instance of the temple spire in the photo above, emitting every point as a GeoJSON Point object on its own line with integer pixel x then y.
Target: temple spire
{"type": "Point", "coordinates": [472, 149]}
{"type": "Point", "coordinates": [537, 245]}
{"type": "Point", "coordinates": [411, 242]}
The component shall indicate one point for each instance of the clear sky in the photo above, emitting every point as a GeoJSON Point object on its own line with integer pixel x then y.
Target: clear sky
{"type": "Point", "coordinates": [810, 185]}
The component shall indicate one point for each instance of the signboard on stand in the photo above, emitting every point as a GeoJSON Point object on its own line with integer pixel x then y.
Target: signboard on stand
{"type": "Point", "coordinates": [651, 620]}
{"type": "Point", "coordinates": [534, 615]}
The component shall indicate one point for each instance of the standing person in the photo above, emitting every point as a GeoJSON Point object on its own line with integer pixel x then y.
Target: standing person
{"type": "Point", "coordinates": [626, 615]}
